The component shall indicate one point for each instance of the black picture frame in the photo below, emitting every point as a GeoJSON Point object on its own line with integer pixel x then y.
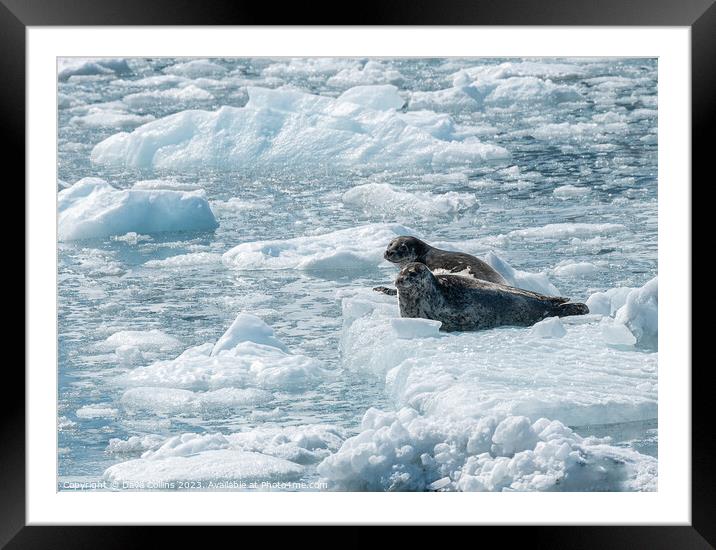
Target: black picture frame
{"type": "Point", "coordinates": [699, 15]}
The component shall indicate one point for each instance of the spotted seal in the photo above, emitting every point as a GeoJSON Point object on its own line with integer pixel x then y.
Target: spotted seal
{"type": "Point", "coordinates": [405, 249]}
{"type": "Point", "coordinates": [464, 303]}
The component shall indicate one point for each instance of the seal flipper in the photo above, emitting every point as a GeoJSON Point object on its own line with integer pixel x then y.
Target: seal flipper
{"type": "Point", "coordinates": [572, 308]}
{"type": "Point", "coordinates": [386, 290]}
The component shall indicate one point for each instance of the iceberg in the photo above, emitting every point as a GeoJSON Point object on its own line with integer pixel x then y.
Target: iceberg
{"type": "Point", "coordinates": [294, 129]}
{"type": "Point", "coordinates": [92, 208]}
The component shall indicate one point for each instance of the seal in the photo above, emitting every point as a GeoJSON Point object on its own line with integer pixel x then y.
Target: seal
{"type": "Point", "coordinates": [406, 249]}
{"type": "Point", "coordinates": [403, 250]}
{"type": "Point", "coordinates": [464, 303]}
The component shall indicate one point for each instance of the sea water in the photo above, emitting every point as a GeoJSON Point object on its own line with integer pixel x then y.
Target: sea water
{"type": "Point", "coordinates": [306, 168]}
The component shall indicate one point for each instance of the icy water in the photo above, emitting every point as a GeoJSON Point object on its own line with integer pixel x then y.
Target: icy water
{"type": "Point", "coordinates": [573, 201]}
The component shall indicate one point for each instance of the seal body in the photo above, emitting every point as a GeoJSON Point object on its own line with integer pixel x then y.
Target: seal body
{"type": "Point", "coordinates": [465, 304]}
{"type": "Point", "coordinates": [403, 250]}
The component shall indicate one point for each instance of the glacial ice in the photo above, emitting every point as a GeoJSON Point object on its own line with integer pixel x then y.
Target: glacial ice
{"type": "Point", "coordinates": [275, 453]}
{"type": "Point", "coordinates": [509, 85]}
{"type": "Point", "coordinates": [196, 68]}
{"type": "Point", "coordinates": [640, 314]}
{"type": "Point", "coordinates": [96, 411]}
{"type": "Point", "coordinates": [570, 191]}
{"type": "Point", "coordinates": [247, 328]}
{"type": "Point", "coordinates": [174, 96]}
{"type": "Point", "coordinates": [84, 66]}
{"type": "Point", "coordinates": [246, 356]}
{"type": "Point", "coordinates": [292, 128]}
{"type": "Point", "coordinates": [536, 282]}
{"type": "Point", "coordinates": [351, 249]}
{"type": "Point", "coordinates": [575, 269]}
{"type": "Point", "coordinates": [373, 72]}
{"type": "Point", "coordinates": [390, 201]}
{"type": "Point", "coordinates": [207, 468]}
{"type": "Point", "coordinates": [406, 451]}
{"type": "Point", "coordinates": [92, 208]}
{"type": "Point", "coordinates": [150, 340]}
{"type": "Point", "coordinates": [110, 118]}
{"type": "Point", "coordinates": [379, 97]}
{"type": "Point", "coordinates": [185, 260]}
{"type": "Point", "coordinates": [509, 370]}
{"type": "Point", "coordinates": [551, 327]}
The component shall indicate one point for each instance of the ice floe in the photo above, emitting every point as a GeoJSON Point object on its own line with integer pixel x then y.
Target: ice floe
{"type": "Point", "coordinates": [92, 208]}
{"type": "Point", "coordinates": [196, 68]}
{"type": "Point", "coordinates": [292, 128]}
{"type": "Point", "coordinates": [173, 97]}
{"type": "Point", "coordinates": [388, 200]}
{"type": "Point", "coordinates": [351, 249]}
{"type": "Point", "coordinates": [373, 72]}
{"type": "Point", "coordinates": [246, 356]}
{"type": "Point", "coordinates": [87, 66]}
{"type": "Point", "coordinates": [263, 455]}
{"type": "Point", "coordinates": [405, 451]}
{"type": "Point", "coordinates": [510, 370]}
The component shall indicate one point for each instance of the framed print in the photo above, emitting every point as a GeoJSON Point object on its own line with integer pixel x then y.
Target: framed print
{"type": "Point", "coordinates": [430, 267]}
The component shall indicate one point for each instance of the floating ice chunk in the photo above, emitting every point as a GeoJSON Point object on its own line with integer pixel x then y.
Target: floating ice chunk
{"type": "Point", "coordinates": [416, 328]}
{"type": "Point", "coordinates": [154, 82]}
{"type": "Point", "coordinates": [96, 411]}
{"type": "Point", "coordinates": [405, 451]}
{"type": "Point", "coordinates": [551, 327]}
{"type": "Point", "coordinates": [92, 208]}
{"type": "Point", "coordinates": [536, 282]}
{"type": "Point", "coordinates": [283, 450]}
{"type": "Point", "coordinates": [503, 86]}
{"type": "Point", "coordinates": [210, 468]}
{"type": "Point", "coordinates": [512, 435]}
{"type": "Point", "coordinates": [196, 68]}
{"type": "Point", "coordinates": [388, 200]}
{"type": "Point", "coordinates": [352, 249]}
{"type": "Point", "coordinates": [149, 340]}
{"type": "Point", "coordinates": [566, 230]}
{"type": "Point", "coordinates": [134, 444]}
{"type": "Point", "coordinates": [186, 260]}
{"type": "Point", "coordinates": [608, 302]}
{"type": "Point", "coordinates": [85, 66]}
{"type": "Point", "coordinates": [186, 95]}
{"type": "Point", "coordinates": [373, 72]}
{"type": "Point", "coordinates": [64, 423]}
{"type": "Point", "coordinates": [570, 191]}
{"type": "Point", "coordinates": [179, 401]}
{"type": "Point", "coordinates": [297, 129]}
{"type": "Point", "coordinates": [247, 355]}
{"type": "Point", "coordinates": [617, 334]}
{"type": "Point", "coordinates": [380, 97]}
{"type": "Point", "coordinates": [451, 177]}
{"type": "Point", "coordinates": [640, 314]}
{"type": "Point", "coordinates": [110, 118]}
{"type": "Point", "coordinates": [247, 328]}
{"type": "Point", "coordinates": [509, 370]}
{"type": "Point", "coordinates": [575, 269]}
{"type": "Point", "coordinates": [309, 67]}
